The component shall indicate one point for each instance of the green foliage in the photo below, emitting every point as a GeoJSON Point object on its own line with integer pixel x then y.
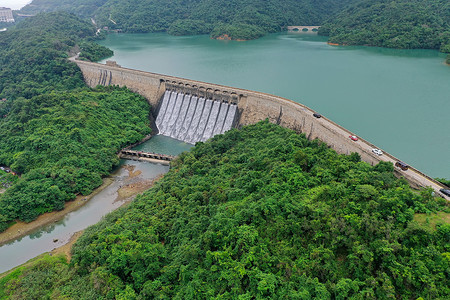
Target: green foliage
{"type": "Point", "coordinates": [33, 55]}
{"type": "Point", "coordinates": [404, 24]}
{"type": "Point", "coordinates": [245, 19]}
{"type": "Point", "coordinates": [39, 279]}
{"type": "Point", "coordinates": [94, 52]}
{"type": "Point", "coordinates": [189, 27]}
{"type": "Point", "coordinates": [263, 213]}
{"type": "Point", "coordinates": [443, 180]}
{"type": "Point", "coordinates": [63, 143]}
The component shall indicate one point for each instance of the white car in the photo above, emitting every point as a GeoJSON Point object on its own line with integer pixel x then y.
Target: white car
{"type": "Point", "coordinates": [377, 151]}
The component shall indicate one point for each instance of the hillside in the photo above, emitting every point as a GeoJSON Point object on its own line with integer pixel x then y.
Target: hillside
{"type": "Point", "coordinates": [238, 19]}
{"type": "Point", "coordinates": [259, 213]}
{"type": "Point", "coordinates": [402, 24]}
{"type": "Point", "coordinates": [55, 132]}
{"type": "Point", "coordinates": [394, 24]}
{"type": "Point", "coordinates": [33, 55]}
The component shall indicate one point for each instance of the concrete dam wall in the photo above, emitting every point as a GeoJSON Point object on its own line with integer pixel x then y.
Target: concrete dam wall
{"type": "Point", "coordinates": [192, 119]}
{"type": "Point", "coordinates": [247, 107]}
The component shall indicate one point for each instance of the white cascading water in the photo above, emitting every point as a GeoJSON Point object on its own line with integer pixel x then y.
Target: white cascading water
{"type": "Point", "coordinates": [190, 136]}
{"type": "Point", "coordinates": [209, 128]}
{"type": "Point", "coordinates": [192, 119]}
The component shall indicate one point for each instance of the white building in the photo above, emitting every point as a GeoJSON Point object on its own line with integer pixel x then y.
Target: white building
{"type": "Point", "coordinates": [6, 15]}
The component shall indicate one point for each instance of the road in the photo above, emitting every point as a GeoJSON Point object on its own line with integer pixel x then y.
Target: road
{"type": "Point", "coordinates": [411, 174]}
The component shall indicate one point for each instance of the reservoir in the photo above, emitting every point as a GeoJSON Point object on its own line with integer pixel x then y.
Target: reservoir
{"type": "Point", "coordinates": [397, 99]}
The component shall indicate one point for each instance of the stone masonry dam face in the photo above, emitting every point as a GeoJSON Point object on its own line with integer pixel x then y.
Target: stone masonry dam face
{"type": "Point", "coordinates": [209, 109]}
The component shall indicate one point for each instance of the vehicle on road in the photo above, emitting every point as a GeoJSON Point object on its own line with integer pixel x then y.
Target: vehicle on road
{"type": "Point", "coordinates": [353, 137]}
{"type": "Point", "coordinates": [317, 115]}
{"type": "Point", "coordinates": [445, 192]}
{"type": "Point", "coordinates": [402, 165]}
{"type": "Point", "coordinates": [377, 151]}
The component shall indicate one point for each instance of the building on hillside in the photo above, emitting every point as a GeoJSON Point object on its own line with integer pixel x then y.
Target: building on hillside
{"type": "Point", "coordinates": [6, 15]}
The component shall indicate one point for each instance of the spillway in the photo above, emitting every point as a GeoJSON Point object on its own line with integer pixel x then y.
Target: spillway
{"type": "Point", "coordinates": [192, 119]}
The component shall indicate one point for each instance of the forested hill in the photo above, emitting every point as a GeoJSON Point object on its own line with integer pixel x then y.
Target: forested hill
{"type": "Point", "coordinates": [386, 23]}
{"type": "Point", "coordinates": [259, 213]}
{"type": "Point", "coordinates": [33, 55]}
{"type": "Point", "coordinates": [395, 24]}
{"type": "Point", "coordinates": [55, 132]}
{"type": "Point", "coordinates": [236, 18]}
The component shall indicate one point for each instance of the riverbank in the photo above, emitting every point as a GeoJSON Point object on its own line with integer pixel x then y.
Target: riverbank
{"type": "Point", "coordinates": [125, 193]}
{"type": "Point", "coordinates": [133, 185]}
{"type": "Point", "coordinates": [21, 229]}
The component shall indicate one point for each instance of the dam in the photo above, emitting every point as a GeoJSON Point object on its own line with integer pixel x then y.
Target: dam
{"type": "Point", "coordinates": [173, 100]}
{"type": "Point", "coordinates": [192, 119]}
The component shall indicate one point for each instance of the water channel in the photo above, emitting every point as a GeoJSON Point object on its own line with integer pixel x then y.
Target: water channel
{"type": "Point", "coordinates": [107, 200]}
{"type": "Point", "coordinates": [397, 99]}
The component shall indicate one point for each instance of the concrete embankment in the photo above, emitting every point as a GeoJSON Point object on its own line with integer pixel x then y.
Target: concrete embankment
{"type": "Point", "coordinates": [252, 107]}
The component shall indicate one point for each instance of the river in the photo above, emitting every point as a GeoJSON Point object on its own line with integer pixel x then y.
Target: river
{"type": "Point", "coordinates": [397, 99]}
{"type": "Point", "coordinates": [107, 200]}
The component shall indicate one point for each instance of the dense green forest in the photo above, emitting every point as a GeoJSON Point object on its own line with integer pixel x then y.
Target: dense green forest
{"type": "Point", "coordinates": [60, 136]}
{"type": "Point", "coordinates": [259, 213]}
{"type": "Point", "coordinates": [238, 19]}
{"type": "Point", "coordinates": [404, 24]}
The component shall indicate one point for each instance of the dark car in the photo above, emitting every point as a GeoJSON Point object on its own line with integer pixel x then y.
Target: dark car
{"type": "Point", "coordinates": [317, 115]}
{"type": "Point", "coordinates": [402, 165]}
{"type": "Point", "coordinates": [445, 192]}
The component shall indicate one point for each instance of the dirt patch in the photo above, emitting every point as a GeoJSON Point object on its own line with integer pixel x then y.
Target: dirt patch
{"type": "Point", "coordinates": [131, 172]}
{"type": "Point", "coordinates": [132, 189]}
{"type": "Point", "coordinates": [431, 220]}
{"type": "Point", "coordinates": [66, 249]}
{"type": "Point", "coordinates": [21, 229]}
{"type": "Point", "coordinates": [226, 37]}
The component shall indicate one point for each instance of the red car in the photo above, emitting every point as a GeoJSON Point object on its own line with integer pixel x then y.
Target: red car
{"type": "Point", "coordinates": [353, 137]}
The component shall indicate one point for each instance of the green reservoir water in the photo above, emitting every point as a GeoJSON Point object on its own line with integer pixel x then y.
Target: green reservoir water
{"type": "Point", "coordinates": [397, 99]}
{"type": "Point", "coordinates": [163, 145]}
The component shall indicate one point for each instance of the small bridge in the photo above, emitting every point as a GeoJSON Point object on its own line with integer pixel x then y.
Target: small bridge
{"type": "Point", "coordinates": [303, 28]}
{"type": "Point", "coordinates": [146, 156]}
